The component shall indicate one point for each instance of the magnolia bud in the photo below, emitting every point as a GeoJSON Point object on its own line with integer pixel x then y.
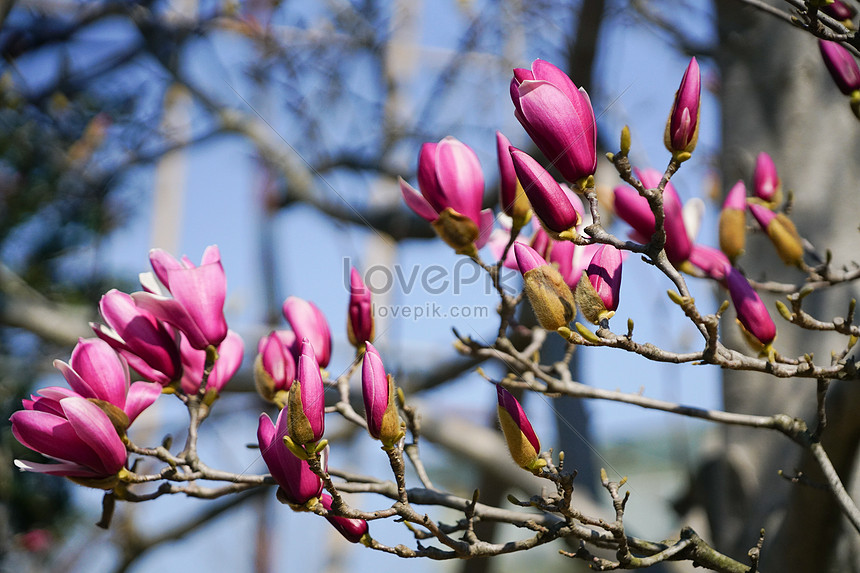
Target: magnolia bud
{"type": "Point", "coordinates": [522, 441]}
{"type": "Point", "coordinates": [782, 234]}
{"type": "Point", "coordinates": [598, 289]}
{"type": "Point", "coordinates": [549, 295]}
{"type": "Point", "coordinates": [733, 224]}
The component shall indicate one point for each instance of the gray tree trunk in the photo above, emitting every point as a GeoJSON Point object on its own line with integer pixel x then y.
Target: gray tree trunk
{"type": "Point", "coordinates": [776, 97]}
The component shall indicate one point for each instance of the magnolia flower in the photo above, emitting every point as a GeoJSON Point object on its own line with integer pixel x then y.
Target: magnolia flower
{"type": "Point", "coordinates": [766, 183]}
{"type": "Point", "coordinates": [197, 304]}
{"type": "Point", "coordinates": [750, 309]}
{"type": "Point", "coordinates": [782, 234]}
{"type": "Point", "coordinates": [841, 65]}
{"type": "Point", "coordinates": [598, 291]}
{"type": "Point", "coordinates": [452, 189]}
{"type": "Point", "coordinates": [144, 341]}
{"type": "Point", "coordinates": [634, 209]}
{"type": "Point", "coordinates": [98, 372]}
{"type": "Point", "coordinates": [733, 224]}
{"type": "Point", "coordinates": [308, 321]}
{"type": "Point", "coordinates": [352, 529]}
{"type": "Point", "coordinates": [512, 198]}
{"type": "Point", "coordinates": [298, 484]}
{"type": "Point", "coordinates": [307, 400]}
{"type": "Point", "coordinates": [275, 366]}
{"type": "Point", "coordinates": [558, 117]}
{"type": "Point", "coordinates": [75, 432]}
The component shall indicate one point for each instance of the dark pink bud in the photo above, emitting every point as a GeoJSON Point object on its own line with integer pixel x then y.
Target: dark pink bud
{"type": "Point", "coordinates": [765, 179]}
{"type": "Point", "coordinates": [297, 482]}
{"type": "Point", "coordinates": [307, 415]}
{"type": "Point", "coordinates": [841, 65]}
{"type": "Point", "coordinates": [839, 10]}
{"type": "Point", "coordinates": [558, 117]}
{"type": "Point", "coordinates": [360, 313]}
{"type": "Point", "coordinates": [682, 129]}
{"type": "Point", "coordinates": [308, 321]}
{"type": "Point", "coordinates": [750, 309]}
{"type": "Point", "coordinates": [549, 201]}
{"type": "Point", "coordinates": [523, 443]}
{"type": "Point", "coordinates": [711, 261]}
{"type": "Point", "coordinates": [527, 258]}
{"type": "Point", "coordinates": [604, 273]}
{"type": "Point", "coordinates": [514, 204]}
{"type": "Point", "coordinates": [374, 388]}
{"type": "Point", "coordinates": [352, 529]}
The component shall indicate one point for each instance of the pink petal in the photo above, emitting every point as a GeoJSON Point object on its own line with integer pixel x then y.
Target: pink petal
{"type": "Point", "coordinates": [141, 396]}
{"type": "Point", "coordinates": [95, 429]}
{"type": "Point", "coordinates": [415, 201]}
{"type": "Point", "coordinates": [202, 292]}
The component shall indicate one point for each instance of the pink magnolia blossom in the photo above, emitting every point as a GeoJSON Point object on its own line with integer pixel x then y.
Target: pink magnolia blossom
{"type": "Point", "coordinates": [143, 340]}
{"type": "Point", "coordinates": [766, 184]}
{"type": "Point", "coordinates": [97, 371]}
{"type": "Point", "coordinates": [308, 321]}
{"type": "Point", "coordinates": [751, 311]}
{"type": "Point", "coordinates": [298, 484]}
{"type": "Point", "coordinates": [634, 209]}
{"type": "Point", "coordinates": [841, 65]}
{"type": "Point", "coordinates": [450, 176]}
{"type": "Point", "coordinates": [307, 414]}
{"type": "Point", "coordinates": [198, 292]}
{"type": "Point", "coordinates": [276, 358]}
{"type": "Point", "coordinates": [558, 117]}
{"type": "Point", "coordinates": [71, 430]}
{"type": "Point", "coordinates": [604, 274]}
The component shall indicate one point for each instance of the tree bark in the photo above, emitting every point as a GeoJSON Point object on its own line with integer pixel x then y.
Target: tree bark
{"type": "Point", "coordinates": [776, 97]}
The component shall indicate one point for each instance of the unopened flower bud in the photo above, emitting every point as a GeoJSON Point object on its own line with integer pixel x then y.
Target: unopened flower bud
{"type": "Point", "coordinates": [383, 421]}
{"type": "Point", "coordinates": [545, 288]}
{"type": "Point", "coordinates": [549, 201]}
{"type": "Point", "coordinates": [307, 400]}
{"type": "Point", "coordinates": [359, 325]}
{"type": "Point", "coordinates": [782, 234]}
{"type": "Point", "coordinates": [352, 529]}
{"type": "Point", "coordinates": [733, 225]}
{"type": "Point", "coordinates": [751, 311]}
{"type": "Point", "coordinates": [766, 182]}
{"type": "Point", "coordinates": [841, 65]}
{"type": "Point", "coordinates": [513, 199]}
{"type": "Point", "coordinates": [598, 289]}
{"type": "Point", "coordinates": [522, 441]}
{"type": "Point", "coordinates": [275, 366]}
{"type": "Point", "coordinates": [682, 128]}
